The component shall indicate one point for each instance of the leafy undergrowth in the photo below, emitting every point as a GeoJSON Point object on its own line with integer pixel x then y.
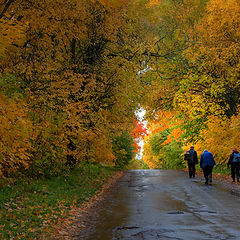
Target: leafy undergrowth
{"type": "Point", "coordinates": [31, 209]}
{"type": "Point", "coordinates": [220, 172]}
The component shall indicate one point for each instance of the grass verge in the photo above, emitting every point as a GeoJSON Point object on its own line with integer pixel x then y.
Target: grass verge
{"type": "Point", "coordinates": [30, 208]}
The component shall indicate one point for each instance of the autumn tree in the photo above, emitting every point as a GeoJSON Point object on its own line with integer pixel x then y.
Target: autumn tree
{"type": "Point", "coordinates": [163, 145]}
{"type": "Point", "coordinates": [16, 127]}
{"type": "Point", "coordinates": [206, 97]}
{"type": "Point", "coordinates": [217, 57]}
{"type": "Point", "coordinates": [77, 64]}
{"type": "Point", "coordinates": [174, 33]}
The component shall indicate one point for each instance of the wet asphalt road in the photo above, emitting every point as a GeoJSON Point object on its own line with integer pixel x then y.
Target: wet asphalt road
{"type": "Point", "coordinates": [166, 204]}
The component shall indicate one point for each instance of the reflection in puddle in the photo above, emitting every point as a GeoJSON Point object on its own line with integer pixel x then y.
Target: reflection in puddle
{"type": "Point", "coordinates": [113, 212]}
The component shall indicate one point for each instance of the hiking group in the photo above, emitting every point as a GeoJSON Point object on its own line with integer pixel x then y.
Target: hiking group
{"type": "Point", "coordinates": [207, 163]}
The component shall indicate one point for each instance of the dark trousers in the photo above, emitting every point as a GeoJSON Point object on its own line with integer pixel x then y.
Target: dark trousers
{"type": "Point", "coordinates": [191, 169]}
{"type": "Point", "coordinates": [207, 171]}
{"type": "Point", "coordinates": [235, 170]}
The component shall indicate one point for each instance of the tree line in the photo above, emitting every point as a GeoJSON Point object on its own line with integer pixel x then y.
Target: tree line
{"type": "Point", "coordinates": [69, 86]}
{"type": "Point", "coordinates": [73, 73]}
{"type": "Point", "coordinates": [194, 81]}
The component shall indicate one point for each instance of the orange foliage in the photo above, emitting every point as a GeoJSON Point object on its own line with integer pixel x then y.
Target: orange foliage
{"type": "Point", "coordinates": [164, 120]}
{"type": "Point", "coordinates": [173, 136]}
{"type": "Point", "coordinates": [139, 130]}
{"type": "Point", "coordinates": [152, 3]}
{"type": "Point", "coordinates": [138, 133]}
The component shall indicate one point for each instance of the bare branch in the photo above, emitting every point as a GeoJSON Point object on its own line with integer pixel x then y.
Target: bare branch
{"type": "Point", "coordinates": [7, 5]}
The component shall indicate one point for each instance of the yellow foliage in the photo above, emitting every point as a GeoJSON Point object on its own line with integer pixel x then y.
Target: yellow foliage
{"type": "Point", "coordinates": [221, 136]}
{"type": "Point", "coordinates": [113, 3]}
{"type": "Point", "coordinates": [152, 3]}
{"type": "Point", "coordinates": [148, 157]}
{"type": "Point", "coordinates": [11, 32]}
{"type": "Point", "coordinates": [15, 135]}
{"type": "Point", "coordinates": [218, 53]}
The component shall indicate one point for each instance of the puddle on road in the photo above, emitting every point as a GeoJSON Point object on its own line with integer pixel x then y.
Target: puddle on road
{"type": "Point", "coordinates": [143, 234]}
{"type": "Point", "coordinates": [176, 212]}
{"type": "Point", "coordinates": [164, 202]}
{"type": "Point", "coordinates": [112, 213]}
{"type": "Point", "coordinates": [131, 233]}
{"type": "Point", "coordinates": [203, 211]}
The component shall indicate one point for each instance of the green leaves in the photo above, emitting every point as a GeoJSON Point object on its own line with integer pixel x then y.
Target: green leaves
{"type": "Point", "coordinates": [123, 150]}
{"type": "Point", "coordinates": [157, 141]}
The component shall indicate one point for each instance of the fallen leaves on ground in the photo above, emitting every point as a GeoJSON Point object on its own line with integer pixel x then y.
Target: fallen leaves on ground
{"type": "Point", "coordinates": [75, 220]}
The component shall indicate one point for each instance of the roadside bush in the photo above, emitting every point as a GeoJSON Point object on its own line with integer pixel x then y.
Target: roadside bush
{"type": "Point", "coordinates": [171, 156]}
{"type": "Point", "coordinates": [123, 150]}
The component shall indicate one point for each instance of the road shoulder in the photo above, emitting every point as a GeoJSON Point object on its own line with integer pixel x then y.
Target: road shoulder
{"type": "Point", "coordinates": [79, 223]}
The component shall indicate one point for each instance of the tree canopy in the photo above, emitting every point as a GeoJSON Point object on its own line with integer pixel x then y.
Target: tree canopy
{"type": "Point", "coordinates": [73, 73]}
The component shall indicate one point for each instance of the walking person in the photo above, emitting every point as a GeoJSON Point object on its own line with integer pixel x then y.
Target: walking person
{"type": "Point", "coordinates": [192, 159]}
{"type": "Point", "coordinates": [207, 163]}
{"type": "Point", "coordinates": [234, 161]}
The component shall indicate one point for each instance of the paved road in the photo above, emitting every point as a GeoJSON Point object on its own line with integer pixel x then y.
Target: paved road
{"type": "Point", "coordinates": [160, 204]}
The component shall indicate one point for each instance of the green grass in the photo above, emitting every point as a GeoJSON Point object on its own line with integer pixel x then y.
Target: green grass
{"type": "Point", "coordinates": [30, 207]}
{"type": "Point", "coordinates": [223, 169]}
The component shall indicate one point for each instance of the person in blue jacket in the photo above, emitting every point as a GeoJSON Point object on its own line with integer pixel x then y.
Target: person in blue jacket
{"type": "Point", "coordinates": [207, 163]}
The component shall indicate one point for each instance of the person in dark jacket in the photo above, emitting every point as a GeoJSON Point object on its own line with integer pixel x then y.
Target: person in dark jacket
{"type": "Point", "coordinates": [192, 159]}
{"type": "Point", "coordinates": [207, 163]}
{"type": "Point", "coordinates": [235, 166]}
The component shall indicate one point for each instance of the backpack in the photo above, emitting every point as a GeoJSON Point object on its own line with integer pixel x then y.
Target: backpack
{"type": "Point", "coordinates": [236, 157]}
{"type": "Point", "coordinates": [187, 156]}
